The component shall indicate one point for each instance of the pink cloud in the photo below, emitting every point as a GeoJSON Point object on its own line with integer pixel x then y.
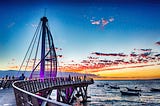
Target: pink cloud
{"type": "Point", "coordinates": [97, 22]}
{"type": "Point", "coordinates": [104, 22]}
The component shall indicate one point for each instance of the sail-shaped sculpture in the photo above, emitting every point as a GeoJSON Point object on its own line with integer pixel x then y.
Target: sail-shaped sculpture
{"type": "Point", "coordinates": [42, 60]}
{"type": "Point", "coordinates": [41, 54]}
{"type": "Point", "coordinates": [48, 62]}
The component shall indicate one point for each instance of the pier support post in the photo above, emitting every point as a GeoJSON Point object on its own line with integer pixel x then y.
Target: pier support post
{"type": "Point", "coordinates": [58, 95]}
{"type": "Point", "coordinates": [64, 95]}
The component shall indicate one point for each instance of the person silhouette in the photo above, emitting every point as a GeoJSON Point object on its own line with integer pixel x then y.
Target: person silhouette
{"type": "Point", "coordinates": [22, 77]}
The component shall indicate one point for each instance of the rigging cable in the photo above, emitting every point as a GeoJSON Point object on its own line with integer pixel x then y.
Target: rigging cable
{"type": "Point", "coordinates": [28, 50]}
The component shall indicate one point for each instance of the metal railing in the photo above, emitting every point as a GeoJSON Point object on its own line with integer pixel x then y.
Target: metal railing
{"type": "Point", "coordinates": [25, 91]}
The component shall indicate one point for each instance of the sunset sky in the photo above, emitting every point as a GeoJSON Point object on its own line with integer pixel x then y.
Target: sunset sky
{"type": "Point", "coordinates": [113, 39]}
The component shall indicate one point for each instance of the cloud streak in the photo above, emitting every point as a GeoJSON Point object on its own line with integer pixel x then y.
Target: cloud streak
{"type": "Point", "coordinates": [11, 25]}
{"type": "Point", "coordinates": [102, 22]}
{"type": "Point", "coordinates": [158, 43]}
{"type": "Point", "coordinates": [109, 54]}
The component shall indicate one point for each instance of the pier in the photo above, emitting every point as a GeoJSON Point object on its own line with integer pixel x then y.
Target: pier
{"type": "Point", "coordinates": [36, 90]}
{"type": "Point", "coordinates": [6, 83]}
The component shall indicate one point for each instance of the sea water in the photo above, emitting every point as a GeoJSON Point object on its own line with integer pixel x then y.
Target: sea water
{"type": "Point", "coordinates": [105, 96]}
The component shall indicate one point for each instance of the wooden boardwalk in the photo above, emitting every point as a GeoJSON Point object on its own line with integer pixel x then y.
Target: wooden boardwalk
{"type": "Point", "coordinates": [36, 92]}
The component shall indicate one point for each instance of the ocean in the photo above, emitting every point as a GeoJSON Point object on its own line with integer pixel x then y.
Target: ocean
{"type": "Point", "coordinates": [105, 96]}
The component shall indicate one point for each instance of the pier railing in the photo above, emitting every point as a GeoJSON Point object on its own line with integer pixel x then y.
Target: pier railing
{"type": "Point", "coordinates": [6, 83]}
{"type": "Point", "coordinates": [27, 93]}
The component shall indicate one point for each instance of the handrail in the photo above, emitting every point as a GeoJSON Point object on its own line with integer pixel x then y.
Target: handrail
{"type": "Point", "coordinates": [30, 87]}
{"type": "Point", "coordinates": [39, 97]}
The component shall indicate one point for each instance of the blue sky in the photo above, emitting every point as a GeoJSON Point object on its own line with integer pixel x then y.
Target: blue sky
{"type": "Point", "coordinates": [136, 25]}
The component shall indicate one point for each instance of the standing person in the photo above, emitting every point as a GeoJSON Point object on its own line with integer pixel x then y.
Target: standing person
{"type": "Point", "coordinates": [85, 77]}
{"type": "Point", "coordinates": [22, 77]}
{"type": "Point", "coordinates": [13, 77]}
{"type": "Point", "coordinates": [6, 77]}
{"type": "Point", "coordinates": [69, 78]}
